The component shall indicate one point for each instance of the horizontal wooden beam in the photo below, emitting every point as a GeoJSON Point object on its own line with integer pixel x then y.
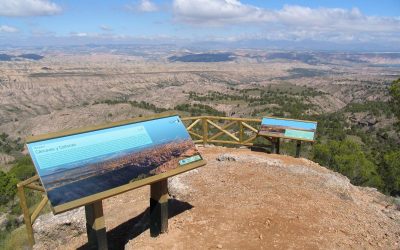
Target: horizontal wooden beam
{"type": "Point", "coordinates": [221, 118]}
{"type": "Point", "coordinates": [232, 119]}
{"type": "Point", "coordinates": [231, 142]}
{"type": "Point", "coordinates": [192, 118]}
{"type": "Point", "coordinates": [28, 181]}
{"type": "Point", "coordinates": [35, 187]}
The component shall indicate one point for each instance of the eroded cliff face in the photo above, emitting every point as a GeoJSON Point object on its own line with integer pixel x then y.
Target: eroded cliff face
{"type": "Point", "coordinates": [243, 200]}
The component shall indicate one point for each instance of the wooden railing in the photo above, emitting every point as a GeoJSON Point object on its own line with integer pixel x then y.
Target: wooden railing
{"type": "Point", "coordinates": [34, 184]}
{"type": "Point", "coordinates": [222, 130]}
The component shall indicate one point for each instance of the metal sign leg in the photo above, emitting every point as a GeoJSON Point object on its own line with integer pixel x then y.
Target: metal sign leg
{"type": "Point", "coordinates": [95, 226]}
{"type": "Point", "coordinates": [277, 148]}
{"type": "Point", "coordinates": [298, 148]}
{"type": "Point", "coordinates": [158, 208]}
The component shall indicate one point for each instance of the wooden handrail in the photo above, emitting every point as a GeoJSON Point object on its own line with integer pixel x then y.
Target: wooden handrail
{"type": "Point", "coordinates": [236, 136]}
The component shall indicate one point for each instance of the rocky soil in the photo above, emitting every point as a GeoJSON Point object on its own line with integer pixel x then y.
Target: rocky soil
{"type": "Point", "coordinates": [243, 200]}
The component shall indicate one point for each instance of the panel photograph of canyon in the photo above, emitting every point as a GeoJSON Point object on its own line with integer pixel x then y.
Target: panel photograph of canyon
{"type": "Point", "coordinates": [77, 166]}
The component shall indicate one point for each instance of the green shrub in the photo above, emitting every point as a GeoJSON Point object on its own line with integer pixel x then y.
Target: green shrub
{"type": "Point", "coordinates": [23, 168]}
{"type": "Point", "coordinates": [391, 172]}
{"type": "Point", "coordinates": [7, 187]}
{"type": "Point", "coordinates": [347, 157]}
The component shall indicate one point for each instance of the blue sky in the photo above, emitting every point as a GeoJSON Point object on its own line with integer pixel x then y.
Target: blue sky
{"type": "Point", "coordinates": [36, 21]}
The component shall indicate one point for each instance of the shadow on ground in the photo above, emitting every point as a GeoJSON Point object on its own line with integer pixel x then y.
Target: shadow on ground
{"type": "Point", "coordinates": [119, 236]}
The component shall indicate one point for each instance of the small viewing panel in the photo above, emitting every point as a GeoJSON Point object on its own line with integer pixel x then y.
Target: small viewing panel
{"type": "Point", "coordinates": [287, 128]}
{"type": "Point", "coordinates": [87, 166]}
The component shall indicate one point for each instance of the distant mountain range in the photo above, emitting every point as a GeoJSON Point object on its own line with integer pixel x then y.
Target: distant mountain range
{"type": "Point", "coordinates": [203, 57]}
{"type": "Point", "coordinates": [308, 57]}
{"type": "Point", "coordinates": [6, 57]}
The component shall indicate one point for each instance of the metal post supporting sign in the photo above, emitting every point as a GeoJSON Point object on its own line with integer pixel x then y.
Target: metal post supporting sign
{"type": "Point", "coordinates": [95, 226]}
{"type": "Point", "coordinates": [158, 208]}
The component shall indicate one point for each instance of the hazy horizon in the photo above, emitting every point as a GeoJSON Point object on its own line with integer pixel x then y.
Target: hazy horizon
{"type": "Point", "coordinates": [207, 24]}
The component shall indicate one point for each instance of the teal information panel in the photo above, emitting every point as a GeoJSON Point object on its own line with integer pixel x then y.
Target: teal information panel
{"type": "Point", "coordinates": [299, 134]}
{"type": "Point", "coordinates": [288, 128]}
{"type": "Point", "coordinates": [80, 165]}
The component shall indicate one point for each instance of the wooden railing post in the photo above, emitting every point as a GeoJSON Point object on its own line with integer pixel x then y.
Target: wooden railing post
{"type": "Point", "coordinates": [240, 131]}
{"type": "Point", "coordinates": [27, 217]}
{"type": "Point", "coordinates": [205, 131]}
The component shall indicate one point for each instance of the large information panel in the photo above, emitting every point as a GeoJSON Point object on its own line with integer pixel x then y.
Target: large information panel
{"type": "Point", "coordinates": [78, 168]}
{"type": "Point", "coordinates": [288, 128]}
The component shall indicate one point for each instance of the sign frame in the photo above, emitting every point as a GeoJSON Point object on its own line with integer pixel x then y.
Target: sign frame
{"type": "Point", "coordinates": [123, 188]}
{"type": "Point", "coordinates": [266, 134]}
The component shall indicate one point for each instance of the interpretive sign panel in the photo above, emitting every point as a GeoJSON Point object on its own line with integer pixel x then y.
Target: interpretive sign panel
{"type": "Point", "coordinates": [78, 168]}
{"type": "Point", "coordinates": [288, 128]}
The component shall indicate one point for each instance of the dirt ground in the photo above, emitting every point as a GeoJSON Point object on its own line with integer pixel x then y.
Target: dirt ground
{"type": "Point", "coordinates": [251, 200]}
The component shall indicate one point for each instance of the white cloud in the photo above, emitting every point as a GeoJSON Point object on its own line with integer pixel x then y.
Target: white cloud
{"type": "Point", "coordinates": [8, 29]}
{"type": "Point", "coordinates": [106, 28]}
{"type": "Point", "coordinates": [28, 8]}
{"type": "Point", "coordinates": [292, 22]}
{"type": "Point", "coordinates": [79, 34]}
{"type": "Point", "coordinates": [218, 12]}
{"type": "Point", "coordinates": [142, 6]}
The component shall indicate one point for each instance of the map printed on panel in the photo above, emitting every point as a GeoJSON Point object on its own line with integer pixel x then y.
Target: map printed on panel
{"type": "Point", "coordinates": [80, 165]}
{"type": "Point", "coordinates": [286, 128]}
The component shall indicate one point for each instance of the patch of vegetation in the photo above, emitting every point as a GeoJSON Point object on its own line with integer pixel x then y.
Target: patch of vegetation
{"type": "Point", "coordinates": [17, 239]}
{"type": "Point", "coordinates": [8, 184]}
{"type": "Point", "coordinates": [371, 160]}
{"type": "Point", "coordinates": [289, 100]}
{"type": "Point", "coordinates": [9, 145]}
{"type": "Point", "coordinates": [199, 109]}
{"type": "Point", "coordinates": [303, 72]}
{"type": "Point", "coordinates": [348, 158]}
{"type": "Point", "coordinates": [395, 93]}
{"type": "Point", "coordinates": [377, 108]}
{"type": "Point", "coordinates": [141, 104]}
{"type": "Point", "coordinates": [21, 170]}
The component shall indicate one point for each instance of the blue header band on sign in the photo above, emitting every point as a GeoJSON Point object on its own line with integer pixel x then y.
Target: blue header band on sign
{"type": "Point", "coordinates": [269, 121]}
